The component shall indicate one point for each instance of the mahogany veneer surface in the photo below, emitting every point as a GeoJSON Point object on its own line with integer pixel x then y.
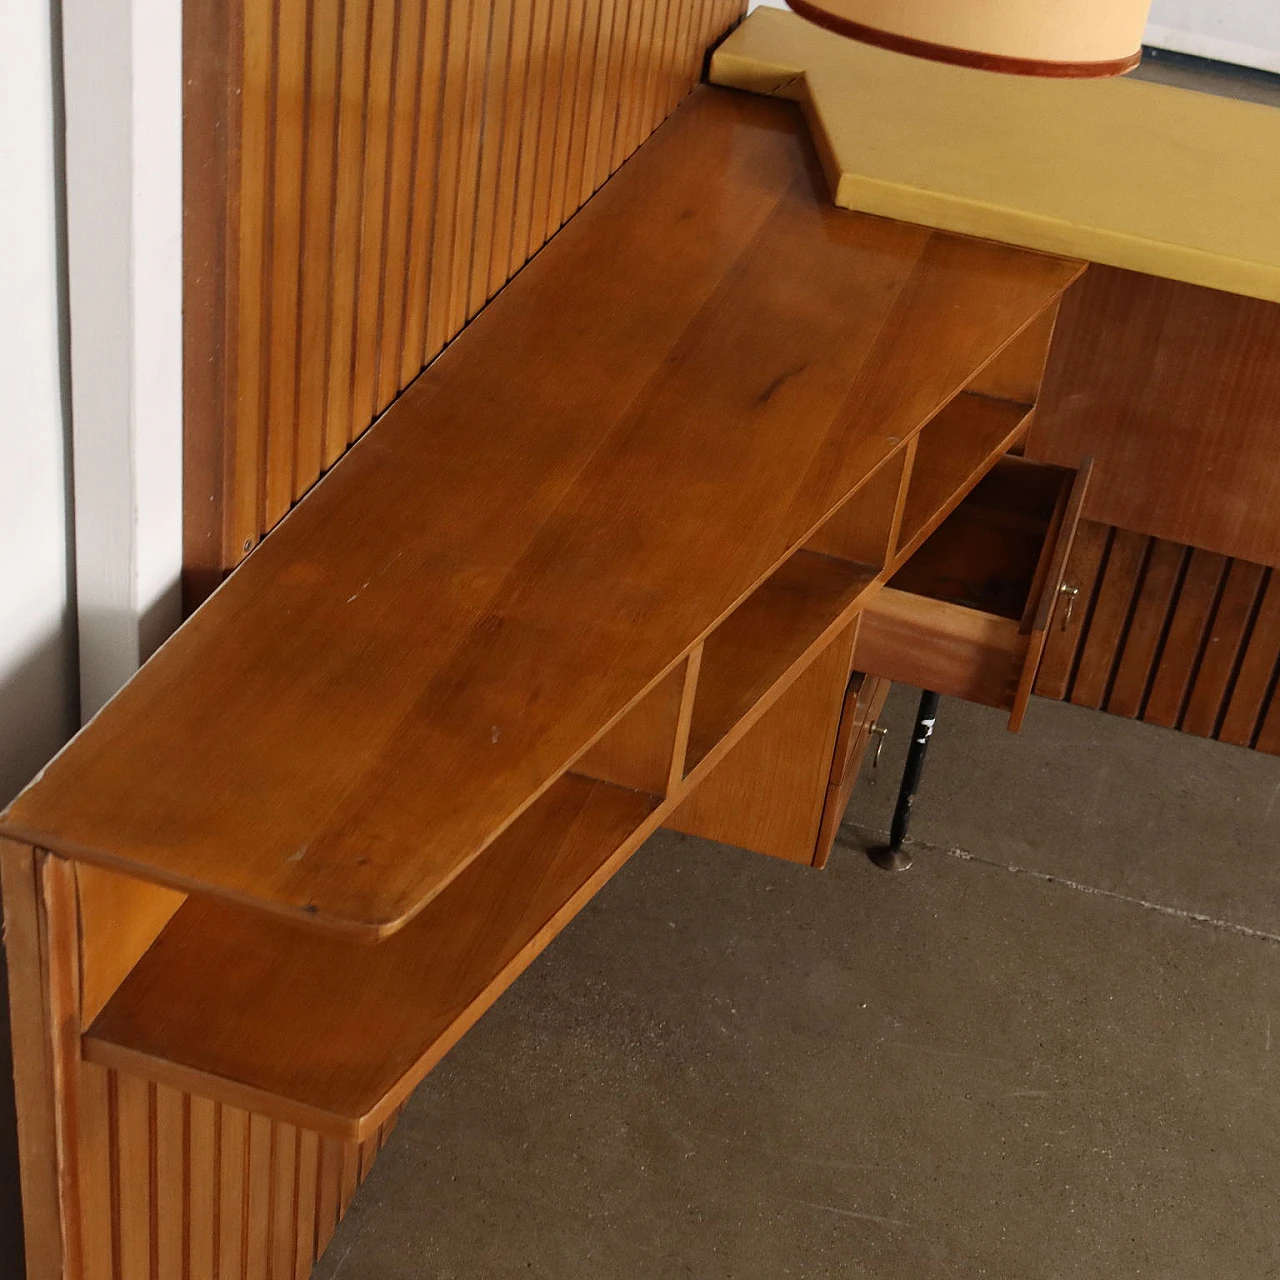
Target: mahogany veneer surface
{"type": "Point", "coordinates": [673, 395]}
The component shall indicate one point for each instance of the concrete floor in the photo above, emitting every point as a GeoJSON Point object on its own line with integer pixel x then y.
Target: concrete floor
{"type": "Point", "coordinates": [1044, 1052]}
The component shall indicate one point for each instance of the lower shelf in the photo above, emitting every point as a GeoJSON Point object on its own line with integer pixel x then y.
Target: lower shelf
{"type": "Point", "coordinates": [333, 1034]}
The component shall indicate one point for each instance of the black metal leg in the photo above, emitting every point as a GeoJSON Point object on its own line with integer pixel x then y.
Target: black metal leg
{"type": "Point", "coordinates": [893, 857]}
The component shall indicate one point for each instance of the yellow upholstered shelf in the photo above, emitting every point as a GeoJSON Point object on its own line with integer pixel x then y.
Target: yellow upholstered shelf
{"type": "Point", "coordinates": [1132, 174]}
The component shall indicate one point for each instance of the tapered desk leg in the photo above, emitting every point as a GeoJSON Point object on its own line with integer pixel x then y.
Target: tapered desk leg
{"type": "Point", "coordinates": [893, 857]}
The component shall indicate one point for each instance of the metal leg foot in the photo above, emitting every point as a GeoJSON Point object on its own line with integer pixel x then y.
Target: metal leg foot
{"type": "Point", "coordinates": [893, 857]}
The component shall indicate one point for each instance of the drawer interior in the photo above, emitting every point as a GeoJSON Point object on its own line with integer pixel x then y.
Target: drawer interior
{"type": "Point", "coordinates": [991, 553]}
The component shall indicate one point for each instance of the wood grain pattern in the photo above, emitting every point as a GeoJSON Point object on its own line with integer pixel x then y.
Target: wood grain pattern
{"type": "Point", "coordinates": [1016, 373]}
{"type": "Point", "coordinates": [1170, 634]}
{"type": "Point", "coordinates": [210, 122]}
{"type": "Point", "coordinates": [767, 793]}
{"type": "Point", "coordinates": [1148, 622]}
{"type": "Point", "coordinates": [865, 528]}
{"type": "Point", "coordinates": [119, 919]}
{"type": "Point", "coordinates": [639, 750]}
{"type": "Point", "coordinates": [362, 176]}
{"type": "Point", "coordinates": [1110, 619]}
{"type": "Point", "coordinates": [490, 558]}
{"type": "Point", "coordinates": [41, 953]}
{"type": "Point", "coordinates": [1259, 670]}
{"type": "Point", "coordinates": [933, 644]}
{"type": "Point", "coordinates": [955, 449]}
{"type": "Point", "coordinates": [1174, 390]}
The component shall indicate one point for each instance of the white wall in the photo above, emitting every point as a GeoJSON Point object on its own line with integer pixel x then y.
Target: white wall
{"type": "Point", "coordinates": [1243, 31]}
{"type": "Point", "coordinates": [123, 73]}
{"type": "Point", "coordinates": [37, 649]}
{"type": "Point", "coordinates": [37, 672]}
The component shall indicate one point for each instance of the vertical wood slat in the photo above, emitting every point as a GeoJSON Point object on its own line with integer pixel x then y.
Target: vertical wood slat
{"type": "Point", "coordinates": [202, 1206]}
{"type": "Point", "coordinates": [170, 1163]}
{"type": "Point", "coordinates": [573, 71]}
{"type": "Point", "coordinates": [319, 190]}
{"type": "Point", "coordinates": [1268, 739]}
{"type": "Point", "coordinates": [1258, 669]}
{"type": "Point", "coordinates": [1180, 658]}
{"type": "Point", "coordinates": [353, 79]}
{"type": "Point", "coordinates": [387, 166]}
{"type": "Point", "coordinates": [232, 1171]}
{"type": "Point", "coordinates": [515, 140]}
{"type": "Point", "coordinates": [1172, 635]}
{"type": "Point", "coordinates": [283, 1245]}
{"type": "Point", "coordinates": [468, 194]}
{"type": "Point", "coordinates": [1109, 618]}
{"type": "Point", "coordinates": [96, 1177]}
{"type": "Point", "coordinates": [494, 142]}
{"type": "Point", "coordinates": [405, 129]}
{"type": "Point", "coordinates": [304, 1223]}
{"type": "Point", "coordinates": [424, 184]}
{"type": "Point", "coordinates": [380, 89]}
{"type": "Point", "coordinates": [1218, 662]}
{"type": "Point", "coordinates": [249, 238]}
{"type": "Point", "coordinates": [132, 1133]}
{"type": "Point", "coordinates": [282, 253]}
{"type": "Point", "coordinates": [1165, 562]}
{"type": "Point", "coordinates": [211, 99]}
{"type": "Point", "coordinates": [328, 1192]}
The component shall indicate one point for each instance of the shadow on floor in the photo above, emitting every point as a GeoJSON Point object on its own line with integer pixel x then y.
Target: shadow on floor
{"type": "Point", "coordinates": [730, 1067]}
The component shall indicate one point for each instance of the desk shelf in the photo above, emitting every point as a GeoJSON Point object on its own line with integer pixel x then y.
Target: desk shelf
{"type": "Point", "coordinates": [332, 1033]}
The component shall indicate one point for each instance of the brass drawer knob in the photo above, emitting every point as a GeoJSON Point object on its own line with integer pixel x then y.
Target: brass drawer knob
{"type": "Point", "coordinates": [1071, 593]}
{"type": "Point", "coordinates": [878, 731]}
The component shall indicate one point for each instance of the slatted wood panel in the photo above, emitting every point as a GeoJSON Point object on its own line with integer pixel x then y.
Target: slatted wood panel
{"type": "Point", "coordinates": [175, 1186]}
{"type": "Point", "coordinates": [362, 176]}
{"type": "Point", "coordinates": [1172, 635]}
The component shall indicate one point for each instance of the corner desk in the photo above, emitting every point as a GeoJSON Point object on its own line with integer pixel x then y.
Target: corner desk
{"type": "Point", "coordinates": [621, 552]}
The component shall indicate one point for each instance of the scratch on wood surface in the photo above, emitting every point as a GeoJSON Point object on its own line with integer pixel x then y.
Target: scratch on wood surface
{"type": "Point", "coordinates": [851, 1213]}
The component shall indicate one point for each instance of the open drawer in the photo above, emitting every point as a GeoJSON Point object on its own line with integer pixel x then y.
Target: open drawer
{"type": "Point", "coordinates": [968, 612]}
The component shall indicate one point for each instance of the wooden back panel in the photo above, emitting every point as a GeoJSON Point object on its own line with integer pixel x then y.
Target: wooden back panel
{"type": "Point", "coordinates": [361, 177]}
{"type": "Point", "coordinates": [1174, 391]}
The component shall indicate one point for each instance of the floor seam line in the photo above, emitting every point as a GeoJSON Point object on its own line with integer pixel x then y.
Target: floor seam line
{"type": "Point", "coordinates": [1179, 913]}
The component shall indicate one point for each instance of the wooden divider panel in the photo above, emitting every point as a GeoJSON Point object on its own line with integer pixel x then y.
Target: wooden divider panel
{"type": "Point", "coordinates": [639, 751]}
{"type": "Point", "coordinates": [865, 529]}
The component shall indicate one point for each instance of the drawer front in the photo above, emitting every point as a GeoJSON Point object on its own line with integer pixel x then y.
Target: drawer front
{"type": "Point", "coordinates": [933, 644]}
{"type": "Point", "coordinates": [957, 618]}
{"type": "Point", "coordinates": [864, 701]}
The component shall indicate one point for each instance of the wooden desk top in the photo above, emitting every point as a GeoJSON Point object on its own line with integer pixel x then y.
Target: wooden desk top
{"type": "Point", "coordinates": [1155, 179]}
{"type": "Point", "coordinates": [667, 401]}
